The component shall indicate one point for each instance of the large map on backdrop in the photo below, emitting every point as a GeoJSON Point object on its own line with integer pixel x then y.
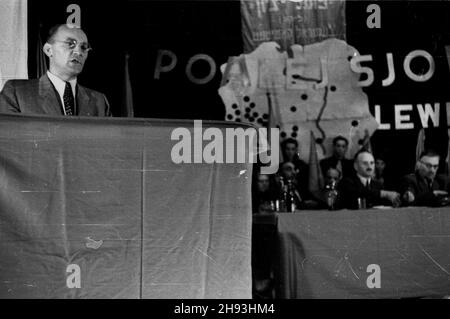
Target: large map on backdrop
{"type": "Point", "coordinates": [315, 90]}
{"type": "Point", "coordinates": [386, 80]}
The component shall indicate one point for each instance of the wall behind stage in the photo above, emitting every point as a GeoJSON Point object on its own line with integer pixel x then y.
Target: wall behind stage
{"type": "Point", "coordinates": [405, 26]}
{"type": "Point", "coordinates": [188, 28]}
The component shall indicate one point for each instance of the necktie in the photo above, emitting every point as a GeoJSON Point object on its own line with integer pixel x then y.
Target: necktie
{"type": "Point", "coordinates": [339, 166]}
{"type": "Point", "coordinates": [69, 101]}
{"type": "Point", "coordinates": [368, 184]}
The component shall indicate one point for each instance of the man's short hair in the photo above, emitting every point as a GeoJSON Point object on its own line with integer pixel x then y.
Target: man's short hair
{"type": "Point", "coordinates": [334, 169]}
{"type": "Point", "coordinates": [380, 157]}
{"type": "Point", "coordinates": [289, 140]}
{"type": "Point", "coordinates": [339, 138]}
{"type": "Point", "coordinates": [360, 152]}
{"type": "Point", "coordinates": [53, 30]}
{"type": "Point", "coordinates": [429, 153]}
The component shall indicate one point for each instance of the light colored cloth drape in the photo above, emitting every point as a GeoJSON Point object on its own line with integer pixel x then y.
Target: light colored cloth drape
{"type": "Point", "coordinates": [13, 40]}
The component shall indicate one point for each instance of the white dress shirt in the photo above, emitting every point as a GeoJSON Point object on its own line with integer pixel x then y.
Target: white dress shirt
{"type": "Point", "coordinates": [60, 86]}
{"type": "Point", "coordinates": [364, 180]}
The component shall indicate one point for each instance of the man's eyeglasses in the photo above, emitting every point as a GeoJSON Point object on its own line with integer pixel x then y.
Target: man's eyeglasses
{"type": "Point", "coordinates": [430, 166]}
{"type": "Point", "coordinates": [72, 44]}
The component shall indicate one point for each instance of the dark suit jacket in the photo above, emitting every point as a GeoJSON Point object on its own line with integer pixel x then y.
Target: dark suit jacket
{"type": "Point", "coordinates": [351, 188]}
{"type": "Point", "coordinates": [423, 194]}
{"type": "Point", "coordinates": [347, 166]}
{"type": "Point", "coordinates": [39, 96]}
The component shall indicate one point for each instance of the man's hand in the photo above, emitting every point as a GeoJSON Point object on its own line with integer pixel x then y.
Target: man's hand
{"type": "Point", "coordinates": [408, 197]}
{"type": "Point", "coordinates": [393, 197]}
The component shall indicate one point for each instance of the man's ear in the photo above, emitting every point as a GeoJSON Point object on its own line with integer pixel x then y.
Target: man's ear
{"type": "Point", "coordinates": [48, 50]}
{"type": "Point", "coordinates": [418, 165]}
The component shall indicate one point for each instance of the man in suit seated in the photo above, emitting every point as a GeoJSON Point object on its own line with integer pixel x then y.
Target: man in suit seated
{"type": "Point", "coordinates": [290, 151]}
{"type": "Point", "coordinates": [424, 187]}
{"type": "Point", "coordinates": [57, 92]}
{"type": "Point", "coordinates": [361, 188]}
{"type": "Point", "coordinates": [338, 160]}
{"type": "Point", "coordinates": [331, 177]}
{"type": "Point", "coordinates": [264, 194]}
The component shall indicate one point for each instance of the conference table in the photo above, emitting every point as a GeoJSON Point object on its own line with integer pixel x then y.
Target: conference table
{"type": "Point", "coordinates": [373, 253]}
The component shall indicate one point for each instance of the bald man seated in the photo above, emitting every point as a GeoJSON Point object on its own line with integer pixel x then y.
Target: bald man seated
{"type": "Point", "coordinates": [57, 92]}
{"type": "Point", "coordinates": [362, 188]}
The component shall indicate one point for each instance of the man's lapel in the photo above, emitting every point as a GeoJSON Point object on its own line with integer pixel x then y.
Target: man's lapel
{"type": "Point", "coordinates": [359, 182]}
{"type": "Point", "coordinates": [435, 184]}
{"type": "Point", "coordinates": [423, 184]}
{"type": "Point", "coordinates": [50, 101]}
{"type": "Point", "coordinates": [83, 101]}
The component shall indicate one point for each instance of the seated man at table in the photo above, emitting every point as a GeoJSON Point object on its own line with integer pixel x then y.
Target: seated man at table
{"type": "Point", "coordinates": [332, 177]}
{"type": "Point", "coordinates": [290, 151]}
{"type": "Point", "coordinates": [361, 190]}
{"type": "Point", "coordinates": [288, 176]}
{"type": "Point", "coordinates": [424, 187]}
{"type": "Point", "coordinates": [338, 160]}
{"type": "Point", "coordinates": [380, 172]}
{"type": "Point", "coordinates": [264, 194]}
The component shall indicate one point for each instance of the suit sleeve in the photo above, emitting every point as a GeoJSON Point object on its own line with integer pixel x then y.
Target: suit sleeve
{"type": "Point", "coordinates": [303, 180]}
{"type": "Point", "coordinates": [343, 200]}
{"type": "Point", "coordinates": [405, 185]}
{"type": "Point", "coordinates": [420, 198]}
{"type": "Point", "coordinates": [8, 99]}
{"type": "Point", "coordinates": [425, 199]}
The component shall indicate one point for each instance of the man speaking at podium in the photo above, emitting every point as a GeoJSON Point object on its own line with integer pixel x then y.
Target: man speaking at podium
{"type": "Point", "coordinates": [57, 91]}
